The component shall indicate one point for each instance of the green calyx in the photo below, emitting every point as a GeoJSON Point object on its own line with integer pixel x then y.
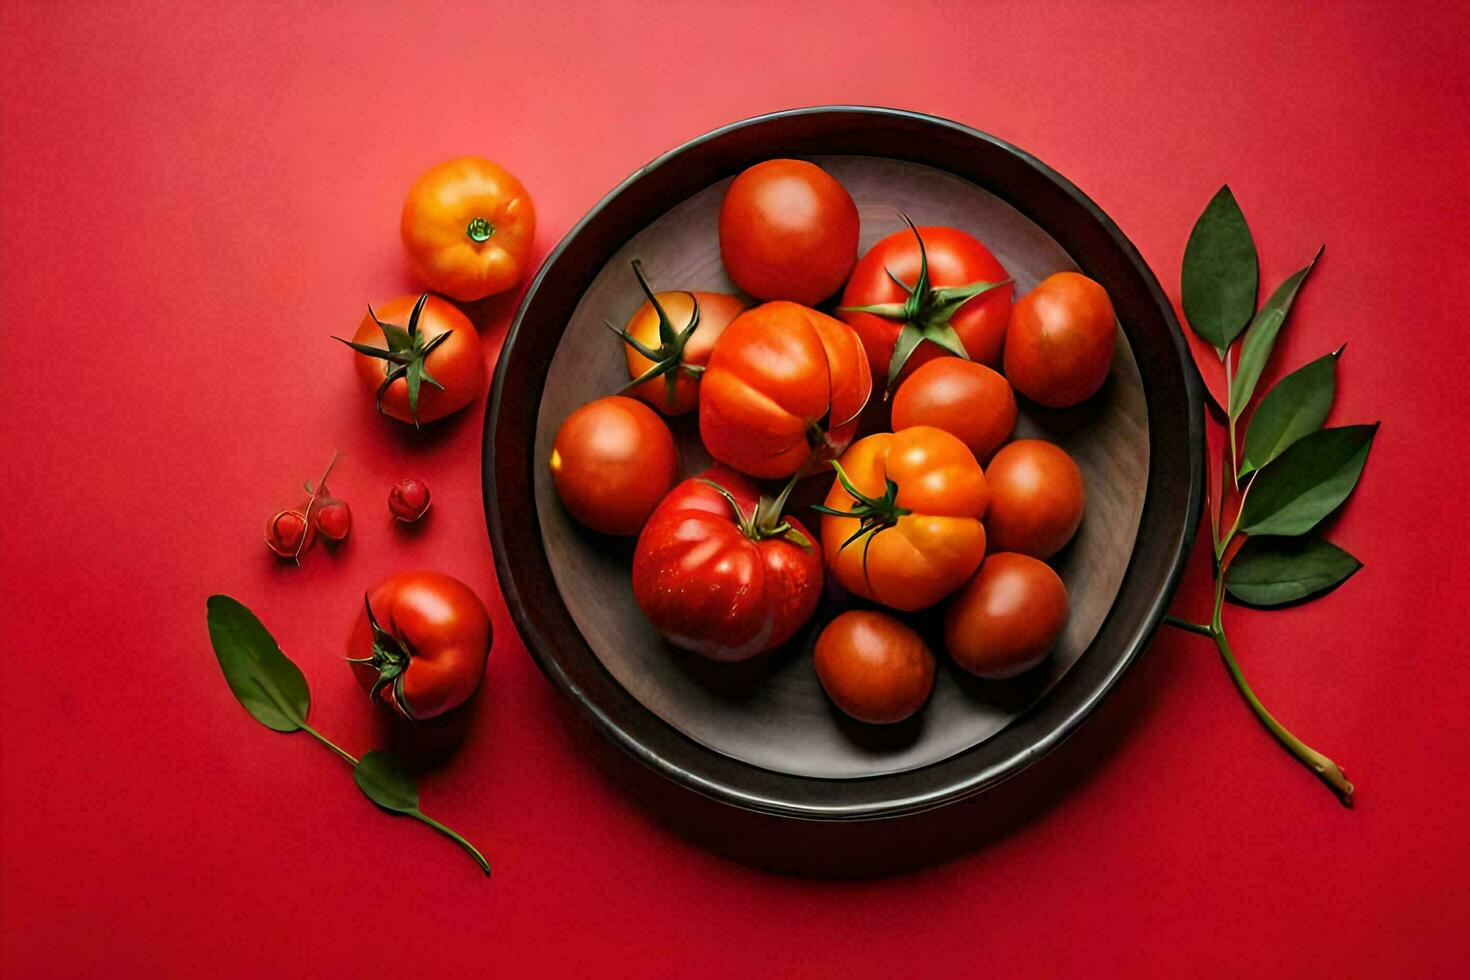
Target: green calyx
{"type": "Point", "coordinates": [404, 356]}
{"type": "Point", "coordinates": [926, 313]}
{"type": "Point", "coordinates": [390, 659]}
{"type": "Point", "coordinates": [479, 230]}
{"type": "Point", "coordinates": [873, 514]}
{"type": "Point", "coordinates": [764, 520]}
{"type": "Point", "coordinates": [668, 356]}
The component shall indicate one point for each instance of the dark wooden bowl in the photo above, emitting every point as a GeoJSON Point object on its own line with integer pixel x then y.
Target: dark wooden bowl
{"type": "Point", "coordinates": [782, 778]}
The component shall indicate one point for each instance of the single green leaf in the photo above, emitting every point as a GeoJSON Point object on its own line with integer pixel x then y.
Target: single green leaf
{"type": "Point", "coordinates": [1296, 406]}
{"type": "Point", "coordinates": [1307, 482]}
{"type": "Point", "coordinates": [384, 782]}
{"type": "Point", "coordinates": [1255, 350]}
{"type": "Point", "coordinates": [1221, 272]}
{"type": "Point", "coordinates": [262, 678]}
{"type": "Point", "coordinates": [1273, 571]}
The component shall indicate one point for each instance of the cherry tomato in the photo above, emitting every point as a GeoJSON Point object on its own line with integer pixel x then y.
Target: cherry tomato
{"type": "Point", "coordinates": [784, 386]}
{"type": "Point", "coordinates": [901, 524]}
{"type": "Point", "coordinates": [428, 348]}
{"type": "Point", "coordinates": [903, 326]}
{"type": "Point", "coordinates": [1036, 498]}
{"type": "Point", "coordinates": [964, 398]}
{"type": "Point", "coordinates": [874, 667]}
{"type": "Point", "coordinates": [1006, 619]}
{"type": "Point", "coordinates": [468, 226]}
{"type": "Point", "coordinates": [612, 462]}
{"type": "Point", "coordinates": [1059, 345]}
{"type": "Point", "coordinates": [719, 572]}
{"type": "Point", "coordinates": [788, 230]}
{"type": "Point", "coordinates": [420, 643]}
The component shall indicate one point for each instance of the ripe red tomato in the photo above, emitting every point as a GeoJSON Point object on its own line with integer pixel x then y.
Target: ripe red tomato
{"type": "Point", "coordinates": [420, 643]}
{"type": "Point", "coordinates": [874, 667]}
{"type": "Point", "coordinates": [1036, 498]}
{"type": "Point", "coordinates": [421, 358]}
{"type": "Point", "coordinates": [468, 225]}
{"type": "Point", "coordinates": [719, 572]}
{"type": "Point", "coordinates": [1006, 619]}
{"type": "Point", "coordinates": [784, 386]}
{"type": "Point", "coordinates": [1059, 345]}
{"type": "Point", "coordinates": [956, 298]}
{"type": "Point", "coordinates": [612, 462]}
{"type": "Point", "coordinates": [901, 524]}
{"type": "Point", "coordinates": [964, 398]}
{"type": "Point", "coordinates": [788, 230]}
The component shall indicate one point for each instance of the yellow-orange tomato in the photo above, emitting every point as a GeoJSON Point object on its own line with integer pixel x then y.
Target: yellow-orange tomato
{"type": "Point", "coordinates": [1036, 498]}
{"type": "Point", "coordinates": [964, 398]}
{"type": "Point", "coordinates": [1059, 344]}
{"type": "Point", "coordinates": [468, 225]}
{"type": "Point", "coordinates": [874, 667]}
{"type": "Point", "coordinates": [716, 310]}
{"type": "Point", "coordinates": [1006, 619]}
{"type": "Point", "coordinates": [914, 534]}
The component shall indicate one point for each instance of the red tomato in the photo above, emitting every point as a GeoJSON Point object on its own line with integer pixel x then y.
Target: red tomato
{"type": "Point", "coordinates": [965, 399]}
{"type": "Point", "coordinates": [1007, 618]}
{"type": "Point", "coordinates": [421, 358]}
{"type": "Point", "coordinates": [788, 230]}
{"type": "Point", "coordinates": [717, 576]}
{"type": "Point", "coordinates": [612, 462]}
{"type": "Point", "coordinates": [956, 298]}
{"type": "Point", "coordinates": [874, 667]}
{"type": "Point", "coordinates": [1036, 498]}
{"type": "Point", "coordinates": [1059, 345]}
{"type": "Point", "coordinates": [784, 386]}
{"type": "Point", "coordinates": [420, 643]}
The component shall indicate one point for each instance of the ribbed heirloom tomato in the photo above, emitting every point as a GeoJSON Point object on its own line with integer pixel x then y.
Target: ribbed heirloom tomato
{"type": "Point", "coordinates": [1007, 618]}
{"type": "Point", "coordinates": [421, 358]}
{"type": "Point", "coordinates": [784, 386]}
{"type": "Point", "coordinates": [901, 524]}
{"type": "Point", "coordinates": [1036, 498]}
{"type": "Point", "coordinates": [1059, 345]}
{"type": "Point", "coordinates": [964, 398]}
{"type": "Point", "coordinates": [612, 462]}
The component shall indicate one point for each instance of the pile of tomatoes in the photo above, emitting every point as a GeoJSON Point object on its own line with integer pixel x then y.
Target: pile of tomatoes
{"type": "Point", "coordinates": [941, 512]}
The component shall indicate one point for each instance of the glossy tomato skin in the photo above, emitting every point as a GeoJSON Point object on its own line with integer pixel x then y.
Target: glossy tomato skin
{"type": "Point", "coordinates": [710, 588]}
{"type": "Point", "coordinates": [457, 363]}
{"type": "Point", "coordinates": [716, 310]}
{"type": "Point", "coordinates": [443, 626]}
{"type": "Point", "coordinates": [612, 462]}
{"type": "Point", "coordinates": [1059, 345]}
{"type": "Point", "coordinates": [964, 398]}
{"type": "Point", "coordinates": [783, 383]}
{"type": "Point", "coordinates": [1006, 619]}
{"type": "Point", "coordinates": [1036, 498]}
{"type": "Point", "coordinates": [955, 259]}
{"type": "Point", "coordinates": [933, 548]}
{"type": "Point", "coordinates": [788, 230]}
{"type": "Point", "coordinates": [450, 254]}
{"type": "Point", "coordinates": [873, 667]}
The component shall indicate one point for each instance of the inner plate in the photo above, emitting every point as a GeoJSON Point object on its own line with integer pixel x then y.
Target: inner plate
{"type": "Point", "coordinates": [772, 712]}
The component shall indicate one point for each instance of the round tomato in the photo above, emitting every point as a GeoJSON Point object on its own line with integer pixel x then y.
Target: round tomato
{"type": "Point", "coordinates": [420, 643]}
{"type": "Point", "coordinates": [965, 399]}
{"type": "Point", "coordinates": [874, 667]}
{"type": "Point", "coordinates": [901, 524]}
{"type": "Point", "coordinates": [612, 462]}
{"type": "Point", "coordinates": [468, 225]}
{"type": "Point", "coordinates": [788, 230]}
{"type": "Point", "coordinates": [955, 298]}
{"type": "Point", "coordinates": [1036, 498]}
{"type": "Point", "coordinates": [720, 572]}
{"type": "Point", "coordinates": [1007, 618]}
{"type": "Point", "coordinates": [421, 358]}
{"type": "Point", "coordinates": [668, 342]}
{"type": "Point", "coordinates": [784, 386]}
{"type": "Point", "coordinates": [1059, 345]}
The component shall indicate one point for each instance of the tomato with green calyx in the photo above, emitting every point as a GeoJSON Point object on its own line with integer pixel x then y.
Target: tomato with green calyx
{"type": "Point", "coordinates": [612, 461]}
{"type": "Point", "coordinates": [1036, 498]}
{"type": "Point", "coordinates": [964, 398]}
{"type": "Point", "coordinates": [1059, 345]}
{"type": "Point", "coordinates": [1006, 619]}
{"type": "Point", "coordinates": [874, 667]}
{"type": "Point", "coordinates": [468, 226]}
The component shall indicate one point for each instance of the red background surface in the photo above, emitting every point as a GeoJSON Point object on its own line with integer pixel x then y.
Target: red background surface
{"type": "Point", "coordinates": [193, 199]}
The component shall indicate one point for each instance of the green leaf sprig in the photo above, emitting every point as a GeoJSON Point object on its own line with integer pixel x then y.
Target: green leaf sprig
{"type": "Point", "coordinates": [1292, 473]}
{"type": "Point", "coordinates": [404, 356]}
{"type": "Point", "coordinates": [273, 689]}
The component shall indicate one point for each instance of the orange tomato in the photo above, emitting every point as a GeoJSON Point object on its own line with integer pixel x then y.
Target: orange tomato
{"type": "Point", "coordinates": [912, 532]}
{"type": "Point", "coordinates": [658, 326]}
{"type": "Point", "coordinates": [1036, 498]}
{"type": "Point", "coordinates": [873, 666]}
{"type": "Point", "coordinates": [1007, 618]}
{"type": "Point", "coordinates": [964, 398]}
{"type": "Point", "coordinates": [468, 225]}
{"type": "Point", "coordinates": [1059, 344]}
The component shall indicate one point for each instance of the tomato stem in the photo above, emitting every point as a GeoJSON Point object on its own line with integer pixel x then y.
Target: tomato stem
{"type": "Point", "coordinates": [479, 230]}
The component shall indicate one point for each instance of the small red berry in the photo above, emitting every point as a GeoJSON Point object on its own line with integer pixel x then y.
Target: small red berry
{"type": "Point", "coordinates": [333, 519]}
{"type": "Point", "coordinates": [409, 500]}
{"type": "Point", "coordinates": [287, 534]}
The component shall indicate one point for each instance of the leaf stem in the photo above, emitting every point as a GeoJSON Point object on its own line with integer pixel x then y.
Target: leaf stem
{"type": "Point", "coordinates": [473, 851]}
{"type": "Point", "coordinates": [329, 744]}
{"type": "Point", "coordinates": [1188, 625]}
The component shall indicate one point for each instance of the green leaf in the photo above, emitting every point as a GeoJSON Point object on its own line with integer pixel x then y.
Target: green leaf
{"type": "Point", "coordinates": [1261, 337]}
{"type": "Point", "coordinates": [1220, 274]}
{"type": "Point", "coordinates": [1296, 406]}
{"type": "Point", "coordinates": [384, 782]}
{"type": "Point", "coordinates": [1308, 482]}
{"type": "Point", "coordinates": [1273, 571]}
{"type": "Point", "coordinates": [263, 678]}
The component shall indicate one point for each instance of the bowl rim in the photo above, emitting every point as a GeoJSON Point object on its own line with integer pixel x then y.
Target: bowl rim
{"type": "Point", "coordinates": [800, 801]}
